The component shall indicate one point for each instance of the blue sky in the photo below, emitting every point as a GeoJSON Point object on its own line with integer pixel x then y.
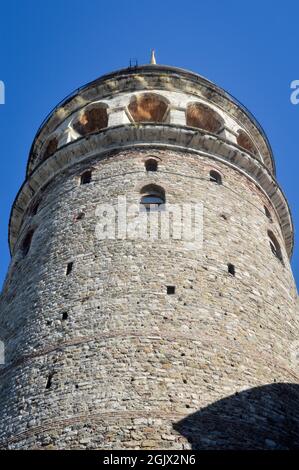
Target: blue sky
{"type": "Point", "coordinates": [47, 49]}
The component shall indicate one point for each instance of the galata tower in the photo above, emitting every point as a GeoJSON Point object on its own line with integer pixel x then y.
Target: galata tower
{"type": "Point", "coordinates": [148, 342]}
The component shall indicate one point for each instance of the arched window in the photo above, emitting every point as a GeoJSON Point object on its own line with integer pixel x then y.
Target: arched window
{"type": "Point", "coordinates": [151, 164]}
{"type": "Point", "coordinates": [92, 119]}
{"type": "Point", "coordinates": [152, 198]}
{"type": "Point", "coordinates": [85, 178]}
{"type": "Point", "coordinates": [246, 143]}
{"type": "Point", "coordinates": [27, 242]}
{"type": "Point", "coordinates": [215, 177]}
{"type": "Point", "coordinates": [148, 107]}
{"type": "Point", "coordinates": [275, 247]}
{"type": "Point", "coordinates": [203, 117]}
{"type": "Point", "coordinates": [51, 147]}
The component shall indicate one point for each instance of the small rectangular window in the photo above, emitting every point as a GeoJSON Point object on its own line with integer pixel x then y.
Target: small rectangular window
{"type": "Point", "coordinates": [49, 380]}
{"type": "Point", "coordinates": [170, 290]}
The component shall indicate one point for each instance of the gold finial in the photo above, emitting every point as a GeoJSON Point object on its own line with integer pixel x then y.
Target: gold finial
{"type": "Point", "coordinates": [153, 58]}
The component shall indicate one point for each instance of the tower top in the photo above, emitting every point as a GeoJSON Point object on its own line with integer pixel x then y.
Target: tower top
{"type": "Point", "coordinates": [180, 98]}
{"type": "Point", "coordinates": [153, 57]}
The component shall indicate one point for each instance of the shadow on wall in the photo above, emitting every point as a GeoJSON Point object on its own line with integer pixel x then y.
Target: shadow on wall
{"type": "Point", "coordinates": [264, 417]}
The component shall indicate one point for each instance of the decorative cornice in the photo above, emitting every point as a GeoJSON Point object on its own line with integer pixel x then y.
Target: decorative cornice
{"type": "Point", "coordinates": [172, 136]}
{"type": "Point", "coordinates": [151, 77]}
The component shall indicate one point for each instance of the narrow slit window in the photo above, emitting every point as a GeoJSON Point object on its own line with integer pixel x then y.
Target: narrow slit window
{"type": "Point", "coordinates": [27, 243]}
{"type": "Point", "coordinates": [275, 247]}
{"type": "Point", "coordinates": [49, 381]}
{"type": "Point", "coordinates": [86, 177]}
{"type": "Point", "coordinates": [170, 290]}
{"type": "Point", "coordinates": [268, 213]}
{"type": "Point", "coordinates": [69, 268]}
{"type": "Point", "coordinates": [215, 177]}
{"type": "Point", "coordinates": [34, 208]}
{"type": "Point", "coordinates": [231, 269]}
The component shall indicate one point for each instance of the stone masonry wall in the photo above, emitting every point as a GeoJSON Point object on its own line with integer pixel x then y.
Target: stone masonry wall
{"type": "Point", "coordinates": [130, 361]}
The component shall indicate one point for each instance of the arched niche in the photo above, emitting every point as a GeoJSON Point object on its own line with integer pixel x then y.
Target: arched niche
{"type": "Point", "coordinates": [203, 117]}
{"type": "Point", "coordinates": [91, 119]}
{"type": "Point", "coordinates": [148, 107]}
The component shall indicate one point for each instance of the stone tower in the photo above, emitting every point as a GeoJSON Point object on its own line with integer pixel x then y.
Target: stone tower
{"type": "Point", "coordinates": [149, 343]}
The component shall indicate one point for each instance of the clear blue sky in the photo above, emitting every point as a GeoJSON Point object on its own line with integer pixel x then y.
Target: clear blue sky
{"type": "Point", "coordinates": [47, 49]}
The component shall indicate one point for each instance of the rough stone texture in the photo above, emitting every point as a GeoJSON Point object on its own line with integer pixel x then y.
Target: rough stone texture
{"type": "Point", "coordinates": [133, 367]}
